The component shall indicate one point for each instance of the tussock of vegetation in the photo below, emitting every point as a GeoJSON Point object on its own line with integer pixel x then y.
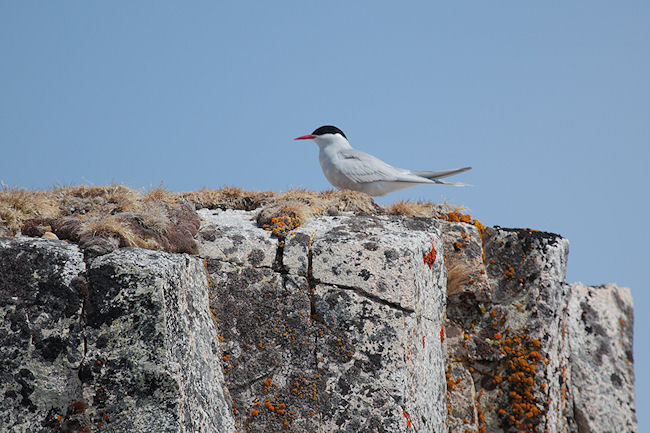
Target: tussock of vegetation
{"type": "Point", "coordinates": [17, 205]}
{"type": "Point", "coordinates": [459, 275]}
{"type": "Point", "coordinates": [102, 218]}
{"type": "Point", "coordinates": [422, 209]}
{"type": "Point", "coordinates": [226, 198]}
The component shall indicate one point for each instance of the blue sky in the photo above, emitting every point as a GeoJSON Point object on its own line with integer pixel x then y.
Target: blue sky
{"type": "Point", "coordinates": [549, 102]}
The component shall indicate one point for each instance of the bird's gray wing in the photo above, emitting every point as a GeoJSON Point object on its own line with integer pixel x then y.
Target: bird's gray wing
{"type": "Point", "coordinates": [361, 167]}
{"type": "Point", "coordinates": [439, 174]}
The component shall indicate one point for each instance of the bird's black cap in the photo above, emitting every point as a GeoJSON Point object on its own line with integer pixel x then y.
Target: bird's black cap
{"type": "Point", "coordinates": [328, 129]}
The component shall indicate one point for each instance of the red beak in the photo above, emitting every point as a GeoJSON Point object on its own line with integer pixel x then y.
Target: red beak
{"type": "Point", "coordinates": [306, 137]}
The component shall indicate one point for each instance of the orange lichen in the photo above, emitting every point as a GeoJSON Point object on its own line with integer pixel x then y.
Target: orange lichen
{"type": "Point", "coordinates": [254, 412]}
{"type": "Point", "coordinates": [430, 257]}
{"type": "Point", "coordinates": [442, 334]}
{"type": "Point", "coordinates": [408, 419]}
{"type": "Point", "coordinates": [510, 271]}
{"type": "Point", "coordinates": [423, 344]}
{"type": "Point", "coordinates": [457, 217]}
{"type": "Point", "coordinates": [522, 357]}
{"type": "Point", "coordinates": [451, 383]}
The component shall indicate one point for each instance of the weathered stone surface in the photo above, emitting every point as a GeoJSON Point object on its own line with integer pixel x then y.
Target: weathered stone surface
{"type": "Point", "coordinates": [462, 413]}
{"type": "Point", "coordinates": [383, 257]}
{"type": "Point", "coordinates": [233, 236]}
{"type": "Point", "coordinates": [382, 366]}
{"type": "Point", "coordinates": [41, 338]}
{"type": "Point", "coordinates": [339, 327]}
{"type": "Point", "coordinates": [379, 298]}
{"type": "Point", "coordinates": [152, 362]}
{"type": "Point", "coordinates": [268, 341]}
{"type": "Point", "coordinates": [515, 343]}
{"type": "Point", "coordinates": [307, 349]}
{"type": "Point", "coordinates": [602, 378]}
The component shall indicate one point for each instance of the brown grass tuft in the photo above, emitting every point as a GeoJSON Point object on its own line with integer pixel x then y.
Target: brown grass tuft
{"type": "Point", "coordinates": [459, 274]}
{"type": "Point", "coordinates": [160, 219]}
{"type": "Point", "coordinates": [283, 212]}
{"type": "Point", "coordinates": [116, 227]}
{"type": "Point", "coordinates": [409, 208]}
{"type": "Point", "coordinates": [156, 219]}
{"type": "Point", "coordinates": [160, 194]}
{"type": "Point", "coordinates": [225, 198]}
{"type": "Point", "coordinates": [18, 205]}
{"type": "Point", "coordinates": [422, 209]}
{"type": "Point", "coordinates": [106, 199]}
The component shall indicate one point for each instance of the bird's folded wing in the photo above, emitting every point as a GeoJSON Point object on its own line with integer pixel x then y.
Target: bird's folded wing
{"type": "Point", "coordinates": [361, 167]}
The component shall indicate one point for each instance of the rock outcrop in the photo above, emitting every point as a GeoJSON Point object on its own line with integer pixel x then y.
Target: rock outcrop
{"type": "Point", "coordinates": [124, 344]}
{"type": "Point", "coordinates": [347, 323]}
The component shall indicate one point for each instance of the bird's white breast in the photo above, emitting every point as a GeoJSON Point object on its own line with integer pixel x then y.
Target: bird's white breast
{"type": "Point", "coordinates": [327, 158]}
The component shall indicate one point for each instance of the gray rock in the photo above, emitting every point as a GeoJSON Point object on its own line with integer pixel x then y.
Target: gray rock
{"type": "Point", "coordinates": [462, 413]}
{"type": "Point", "coordinates": [341, 326]}
{"type": "Point", "coordinates": [381, 306]}
{"type": "Point", "coordinates": [383, 257]}
{"type": "Point", "coordinates": [515, 343]}
{"type": "Point", "coordinates": [233, 236]}
{"type": "Point", "coordinates": [342, 335]}
{"type": "Point", "coordinates": [602, 375]}
{"type": "Point", "coordinates": [382, 367]}
{"type": "Point", "coordinates": [41, 336]}
{"type": "Point", "coordinates": [268, 343]}
{"type": "Point", "coordinates": [152, 363]}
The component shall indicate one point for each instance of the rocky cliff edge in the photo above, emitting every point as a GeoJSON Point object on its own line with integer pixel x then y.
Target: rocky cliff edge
{"type": "Point", "coordinates": [334, 321]}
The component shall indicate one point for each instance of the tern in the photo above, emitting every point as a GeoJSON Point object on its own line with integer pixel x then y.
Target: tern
{"type": "Point", "coordinates": [349, 168]}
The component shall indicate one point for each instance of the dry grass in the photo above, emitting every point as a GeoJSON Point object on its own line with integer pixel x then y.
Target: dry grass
{"type": "Point", "coordinates": [225, 198]}
{"type": "Point", "coordinates": [18, 205]}
{"type": "Point", "coordinates": [108, 199]}
{"type": "Point", "coordinates": [283, 212]}
{"type": "Point", "coordinates": [156, 219]}
{"type": "Point", "coordinates": [112, 226]}
{"type": "Point", "coordinates": [422, 209]}
{"type": "Point", "coordinates": [160, 219]}
{"type": "Point", "coordinates": [459, 275]}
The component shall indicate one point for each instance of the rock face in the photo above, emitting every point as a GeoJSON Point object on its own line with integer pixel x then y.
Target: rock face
{"type": "Point", "coordinates": [600, 339]}
{"type": "Point", "coordinates": [41, 333]}
{"type": "Point", "coordinates": [514, 343]}
{"type": "Point", "coordinates": [352, 323]}
{"type": "Point", "coordinates": [337, 330]}
{"type": "Point", "coordinates": [126, 345]}
{"type": "Point", "coordinates": [152, 363]}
